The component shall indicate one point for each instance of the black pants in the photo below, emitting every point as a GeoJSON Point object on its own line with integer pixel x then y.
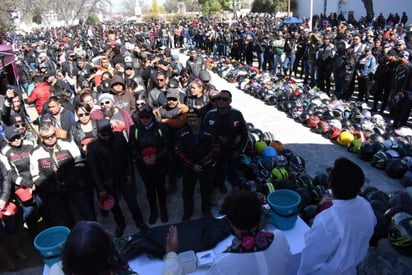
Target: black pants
{"type": "Point", "coordinates": [382, 95]}
{"type": "Point", "coordinates": [189, 181]}
{"type": "Point", "coordinates": [228, 167]}
{"type": "Point", "coordinates": [121, 187]}
{"type": "Point", "coordinates": [364, 86]}
{"type": "Point", "coordinates": [324, 74]}
{"type": "Point", "coordinates": [402, 110]}
{"type": "Point", "coordinates": [154, 181]}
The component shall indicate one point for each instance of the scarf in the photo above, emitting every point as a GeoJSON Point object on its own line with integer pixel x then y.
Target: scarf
{"type": "Point", "coordinates": [251, 242]}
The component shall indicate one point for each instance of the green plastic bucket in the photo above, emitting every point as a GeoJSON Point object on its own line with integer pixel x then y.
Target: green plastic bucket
{"type": "Point", "coordinates": [285, 206]}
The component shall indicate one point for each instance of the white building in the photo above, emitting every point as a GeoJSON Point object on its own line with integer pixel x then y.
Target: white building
{"type": "Point", "coordinates": [357, 6]}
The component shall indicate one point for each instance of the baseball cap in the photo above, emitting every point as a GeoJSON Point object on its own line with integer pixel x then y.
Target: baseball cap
{"type": "Point", "coordinates": [10, 132]}
{"type": "Point", "coordinates": [173, 92]}
{"type": "Point", "coordinates": [128, 65]}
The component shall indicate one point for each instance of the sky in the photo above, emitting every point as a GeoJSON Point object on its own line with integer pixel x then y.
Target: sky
{"type": "Point", "coordinates": [118, 4]}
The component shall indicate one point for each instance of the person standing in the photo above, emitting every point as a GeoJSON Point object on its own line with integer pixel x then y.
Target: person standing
{"type": "Point", "coordinates": [232, 135]}
{"type": "Point", "coordinates": [338, 240]}
{"type": "Point", "coordinates": [195, 64]}
{"type": "Point", "coordinates": [404, 105]}
{"type": "Point", "coordinates": [17, 151]}
{"type": "Point", "coordinates": [122, 99]}
{"type": "Point", "coordinates": [197, 148]}
{"type": "Point", "coordinates": [149, 147]}
{"type": "Point", "coordinates": [10, 247]}
{"type": "Point", "coordinates": [344, 66]}
{"type": "Point", "coordinates": [63, 118]}
{"type": "Point", "coordinates": [109, 163]}
{"type": "Point", "coordinates": [56, 168]}
{"type": "Point", "coordinates": [365, 70]}
{"type": "Point", "coordinates": [324, 64]}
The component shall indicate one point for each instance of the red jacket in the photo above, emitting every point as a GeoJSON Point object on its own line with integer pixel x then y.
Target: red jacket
{"type": "Point", "coordinates": [39, 96]}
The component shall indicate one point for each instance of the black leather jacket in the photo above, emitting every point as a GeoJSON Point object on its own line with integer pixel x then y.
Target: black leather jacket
{"type": "Point", "coordinates": [5, 186]}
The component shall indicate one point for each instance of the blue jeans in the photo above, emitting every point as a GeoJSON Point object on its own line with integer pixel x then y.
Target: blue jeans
{"type": "Point", "coordinates": [277, 60]}
{"type": "Point", "coordinates": [288, 63]}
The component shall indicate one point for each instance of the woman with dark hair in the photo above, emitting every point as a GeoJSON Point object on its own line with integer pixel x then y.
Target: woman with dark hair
{"type": "Point", "coordinates": [141, 101]}
{"type": "Point", "coordinates": [252, 251]}
{"type": "Point", "coordinates": [89, 250]}
{"type": "Point", "coordinates": [84, 130]}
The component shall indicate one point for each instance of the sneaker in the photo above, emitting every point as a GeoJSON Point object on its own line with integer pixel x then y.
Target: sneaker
{"type": "Point", "coordinates": [119, 230]}
{"type": "Point", "coordinates": [152, 218]}
{"type": "Point", "coordinates": [164, 217]}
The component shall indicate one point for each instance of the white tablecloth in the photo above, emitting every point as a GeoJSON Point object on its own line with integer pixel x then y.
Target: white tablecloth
{"type": "Point", "coordinates": [295, 237]}
{"type": "Point", "coordinates": [147, 266]}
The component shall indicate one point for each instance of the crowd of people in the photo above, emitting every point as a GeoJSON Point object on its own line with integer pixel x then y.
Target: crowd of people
{"type": "Point", "coordinates": [114, 103]}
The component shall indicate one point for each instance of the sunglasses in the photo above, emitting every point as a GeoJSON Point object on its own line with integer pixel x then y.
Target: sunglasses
{"type": "Point", "coordinates": [171, 99]}
{"type": "Point", "coordinates": [49, 137]}
{"type": "Point", "coordinates": [224, 99]}
{"type": "Point", "coordinates": [83, 114]}
{"type": "Point", "coordinates": [140, 103]}
{"type": "Point", "coordinates": [20, 125]}
{"type": "Point", "coordinates": [105, 102]}
{"type": "Point", "coordinates": [160, 79]}
{"type": "Point", "coordinates": [15, 138]}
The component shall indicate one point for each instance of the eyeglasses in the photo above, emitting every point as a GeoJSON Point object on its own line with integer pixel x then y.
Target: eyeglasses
{"type": "Point", "coordinates": [171, 99]}
{"type": "Point", "coordinates": [83, 114]}
{"type": "Point", "coordinates": [105, 103]}
{"type": "Point", "coordinates": [15, 138]}
{"type": "Point", "coordinates": [160, 79]}
{"type": "Point", "coordinates": [49, 137]}
{"type": "Point", "coordinates": [20, 125]}
{"type": "Point", "coordinates": [224, 99]}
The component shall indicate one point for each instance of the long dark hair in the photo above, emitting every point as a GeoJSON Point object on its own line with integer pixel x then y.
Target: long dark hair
{"type": "Point", "coordinates": [89, 250]}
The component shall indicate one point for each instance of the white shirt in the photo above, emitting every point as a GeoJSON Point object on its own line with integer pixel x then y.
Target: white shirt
{"type": "Point", "coordinates": [274, 260]}
{"type": "Point", "coordinates": [339, 238]}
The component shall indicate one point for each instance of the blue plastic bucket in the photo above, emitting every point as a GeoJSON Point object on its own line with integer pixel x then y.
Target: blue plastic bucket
{"type": "Point", "coordinates": [50, 242]}
{"type": "Point", "coordinates": [285, 206]}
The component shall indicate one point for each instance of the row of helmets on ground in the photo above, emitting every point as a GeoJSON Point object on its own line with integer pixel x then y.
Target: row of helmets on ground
{"type": "Point", "coordinates": [348, 123]}
{"type": "Point", "coordinates": [267, 165]}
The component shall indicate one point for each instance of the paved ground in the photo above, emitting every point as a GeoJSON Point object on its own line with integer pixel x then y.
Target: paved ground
{"type": "Point", "coordinates": [318, 152]}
